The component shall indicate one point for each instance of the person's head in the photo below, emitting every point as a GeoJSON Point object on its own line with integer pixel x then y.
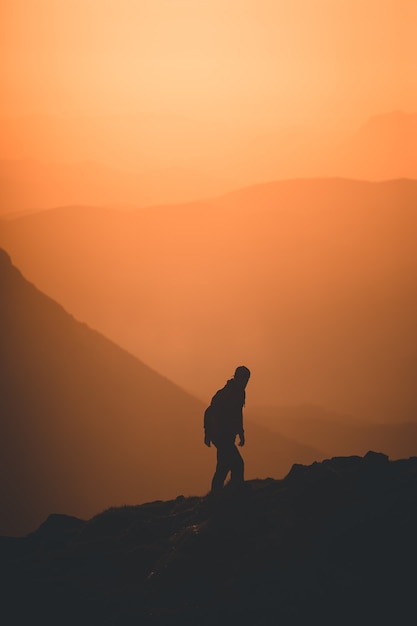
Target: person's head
{"type": "Point", "coordinates": [241, 376]}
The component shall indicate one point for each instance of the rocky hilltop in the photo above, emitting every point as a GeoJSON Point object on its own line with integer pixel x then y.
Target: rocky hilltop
{"type": "Point", "coordinates": [331, 543]}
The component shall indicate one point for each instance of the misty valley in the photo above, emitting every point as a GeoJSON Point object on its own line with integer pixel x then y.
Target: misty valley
{"type": "Point", "coordinates": [132, 319]}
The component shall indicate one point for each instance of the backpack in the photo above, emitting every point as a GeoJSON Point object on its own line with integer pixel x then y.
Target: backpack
{"type": "Point", "coordinates": [211, 422]}
{"type": "Point", "coordinates": [215, 422]}
{"type": "Point", "coordinates": [221, 418]}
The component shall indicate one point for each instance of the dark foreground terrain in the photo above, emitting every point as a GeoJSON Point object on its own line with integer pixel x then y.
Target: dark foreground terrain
{"type": "Point", "coordinates": [332, 543]}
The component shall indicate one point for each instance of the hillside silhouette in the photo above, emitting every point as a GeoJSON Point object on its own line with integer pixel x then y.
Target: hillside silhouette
{"type": "Point", "coordinates": [312, 281]}
{"type": "Point", "coordinates": [331, 543]}
{"type": "Point", "coordinates": [86, 425]}
{"type": "Point", "coordinates": [82, 417]}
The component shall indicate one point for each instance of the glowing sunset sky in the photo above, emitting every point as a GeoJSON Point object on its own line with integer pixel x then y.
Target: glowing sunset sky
{"type": "Point", "coordinates": [254, 62]}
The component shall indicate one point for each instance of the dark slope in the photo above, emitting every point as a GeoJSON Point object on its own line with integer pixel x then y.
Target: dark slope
{"type": "Point", "coordinates": [332, 543]}
{"type": "Point", "coordinates": [85, 425]}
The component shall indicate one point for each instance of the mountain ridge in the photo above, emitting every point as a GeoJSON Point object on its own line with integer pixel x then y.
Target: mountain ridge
{"type": "Point", "coordinates": [315, 267]}
{"type": "Point", "coordinates": [332, 542]}
{"type": "Point", "coordinates": [53, 161]}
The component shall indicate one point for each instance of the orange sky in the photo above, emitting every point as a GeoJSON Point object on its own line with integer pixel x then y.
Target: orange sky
{"type": "Point", "coordinates": [257, 63]}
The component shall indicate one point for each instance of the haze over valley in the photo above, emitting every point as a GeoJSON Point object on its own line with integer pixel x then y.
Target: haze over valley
{"type": "Point", "coordinates": [87, 426]}
{"type": "Point", "coordinates": [311, 282]}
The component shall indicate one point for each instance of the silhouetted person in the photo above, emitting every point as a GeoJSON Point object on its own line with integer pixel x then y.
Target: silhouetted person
{"type": "Point", "coordinates": [223, 421]}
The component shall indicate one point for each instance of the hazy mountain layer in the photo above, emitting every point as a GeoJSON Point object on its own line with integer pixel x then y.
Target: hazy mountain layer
{"type": "Point", "coordinates": [151, 159]}
{"type": "Point", "coordinates": [311, 283]}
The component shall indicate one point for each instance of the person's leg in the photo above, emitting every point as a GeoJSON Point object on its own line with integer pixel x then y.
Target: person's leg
{"type": "Point", "coordinates": [236, 466]}
{"type": "Point", "coordinates": [222, 467]}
